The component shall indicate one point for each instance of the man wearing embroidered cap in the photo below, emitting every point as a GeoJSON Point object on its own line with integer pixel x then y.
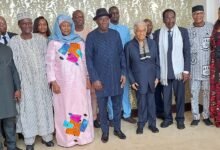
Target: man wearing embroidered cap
{"type": "Point", "coordinates": [199, 34]}
{"type": "Point", "coordinates": [106, 66]}
{"type": "Point", "coordinates": [35, 114]}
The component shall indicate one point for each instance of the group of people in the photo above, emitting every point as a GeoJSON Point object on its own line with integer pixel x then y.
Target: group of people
{"type": "Point", "coordinates": [74, 79]}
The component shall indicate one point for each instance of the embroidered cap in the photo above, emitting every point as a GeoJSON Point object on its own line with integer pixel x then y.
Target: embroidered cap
{"type": "Point", "coordinates": [23, 15]}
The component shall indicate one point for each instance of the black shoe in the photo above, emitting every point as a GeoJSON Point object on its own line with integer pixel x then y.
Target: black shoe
{"type": "Point", "coordinates": [207, 122]}
{"type": "Point", "coordinates": [180, 125]}
{"type": "Point", "coordinates": [153, 129]}
{"type": "Point", "coordinates": [166, 124]}
{"type": "Point", "coordinates": [96, 124]}
{"type": "Point", "coordinates": [139, 130]}
{"type": "Point", "coordinates": [30, 147]}
{"type": "Point", "coordinates": [104, 137]}
{"type": "Point", "coordinates": [20, 136]}
{"type": "Point", "coordinates": [130, 120]}
{"type": "Point", "coordinates": [48, 144]}
{"type": "Point", "coordinates": [160, 116]}
{"type": "Point", "coordinates": [17, 148]}
{"type": "Point", "coordinates": [195, 122]}
{"type": "Point", "coordinates": [111, 123]}
{"type": "Point", "coordinates": [120, 134]}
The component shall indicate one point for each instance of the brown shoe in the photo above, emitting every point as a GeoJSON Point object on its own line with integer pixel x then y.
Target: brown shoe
{"type": "Point", "coordinates": [130, 120]}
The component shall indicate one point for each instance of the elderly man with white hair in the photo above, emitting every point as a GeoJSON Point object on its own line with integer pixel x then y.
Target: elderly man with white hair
{"type": "Point", "coordinates": [143, 73]}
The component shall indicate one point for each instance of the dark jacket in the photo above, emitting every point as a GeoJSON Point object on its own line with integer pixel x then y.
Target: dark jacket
{"type": "Point", "coordinates": [9, 83]}
{"type": "Point", "coordinates": [105, 61]}
{"type": "Point", "coordinates": [186, 46]}
{"type": "Point", "coordinates": [144, 72]}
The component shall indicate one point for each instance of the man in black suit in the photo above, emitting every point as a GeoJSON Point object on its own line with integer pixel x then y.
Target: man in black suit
{"type": "Point", "coordinates": [174, 54]}
{"type": "Point", "coordinates": [4, 35]}
{"type": "Point", "coordinates": [4, 39]}
{"type": "Point", "coordinates": [143, 72]}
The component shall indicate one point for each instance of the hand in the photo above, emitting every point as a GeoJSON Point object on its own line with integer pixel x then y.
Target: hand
{"type": "Point", "coordinates": [156, 82]}
{"type": "Point", "coordinates": [18, 95]}
{"type": "Point", "coordinates": [135, 86]}
{"type": "Point", "coordinates": [88, 84]}
{"type": "Point", "coordinates": [98, 85]}
{"type": "Point", "coordinates": [55, 87]}
{"type": "Point", "coordinates": [186, 77]}
{"type": "Point", "coordinates": [123, 81]}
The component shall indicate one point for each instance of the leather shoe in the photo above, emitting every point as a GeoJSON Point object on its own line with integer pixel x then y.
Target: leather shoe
{"type": "Point", "coordinates": [96, 124]}
{"type": "Point", "coordinates": [104, 137]}
{"type": "Point", "coordinates": [48, 144]}
{"type": "Point", "coordinates": [30, 147]}
{"type": "Point", "coordinates": [139, 130]}
{"type": "Point", "coordinates": [207, 122]}
{"type": "Point", "coordinates": [195, 122]}
{"type": "Point", "coordinates": [166, 124]}
{"type": "Point", "coordinates": [120, 134]}
{"type": "Point", "coordinates": [153, 129]}
{"type": "Point", "coordinates": [130, 120]}
{"type": "Point", "coordinates": [180, 125]}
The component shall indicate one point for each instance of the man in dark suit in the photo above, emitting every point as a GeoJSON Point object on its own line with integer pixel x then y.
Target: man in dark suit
{"type": "Point", "coordinates": [9, 93]}
{"type": "Point", "coordinates": [143, 73]}
{"type": "Point", "coordinates": [174, 54]}
{"type": "Point", "coordinates": [106, 66]}
{"type": "Point", "coordinates": [5, 36]}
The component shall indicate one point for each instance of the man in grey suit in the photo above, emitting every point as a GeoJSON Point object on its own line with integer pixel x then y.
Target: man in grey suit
{"type": "Point", "coordinates": [9, 94]}
{"type": "Point", "coordinates": [174, 54]}
{"type": "Point", "coordinates": [143, 73]}
{"type": "Point", "coordinates": [4, 35]}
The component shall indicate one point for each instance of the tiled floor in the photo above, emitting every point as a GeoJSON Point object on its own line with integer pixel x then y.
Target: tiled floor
{"type": "Point", "coordinates": [191, 138]}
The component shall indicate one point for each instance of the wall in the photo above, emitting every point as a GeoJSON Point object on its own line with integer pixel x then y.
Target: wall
{"type": "Point", "coordinates": [131, 10]}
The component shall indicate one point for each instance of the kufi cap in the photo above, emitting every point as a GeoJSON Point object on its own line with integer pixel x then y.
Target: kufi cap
{"type": "Point", "coordinates": [23, 15]}
{"type": "Point", "coordinates": [197, 8]}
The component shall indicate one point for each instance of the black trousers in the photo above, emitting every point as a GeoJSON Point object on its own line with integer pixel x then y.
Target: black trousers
{"type": "Point", "coordinates": [146, 109]}
{"type": "Point", "coordinates": [179, 92]}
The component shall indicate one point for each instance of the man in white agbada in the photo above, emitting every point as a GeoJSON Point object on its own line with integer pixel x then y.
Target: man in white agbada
{"type": "Point", "coordinates": [35, 114]}
{"type": "Point", "coordinates": [174, 53]}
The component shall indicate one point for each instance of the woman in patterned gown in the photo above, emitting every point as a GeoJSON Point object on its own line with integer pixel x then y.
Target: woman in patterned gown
{"type": "Point", "coordinates": [66, 70]}
{"type": "Point", "coordinates": [215, 74]}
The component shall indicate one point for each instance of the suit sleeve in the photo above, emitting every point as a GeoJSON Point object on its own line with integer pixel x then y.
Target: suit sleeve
{"type": "Point", "coordinates": [90, 52]}
{"type": "Point", "coordinates": [129, 72]}
{"type": "Point", "coordinates": [186, 50]}
{"type": "Point", "coordinates": [157, 60]}
{"type": "Point", "coordinates": [156, 41]}
{"type": "Point", "coordinates": [16, 79]}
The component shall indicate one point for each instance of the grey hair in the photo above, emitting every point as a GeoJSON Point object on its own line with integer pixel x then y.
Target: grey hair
{"type": "Point", "coordinates": [139, 23]}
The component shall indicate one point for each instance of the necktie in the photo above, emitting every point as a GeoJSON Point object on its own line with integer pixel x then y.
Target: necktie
{"type": "Point", "coordinates": [170, 41]}
{"type": "Point", "coordinates": [5, 40]}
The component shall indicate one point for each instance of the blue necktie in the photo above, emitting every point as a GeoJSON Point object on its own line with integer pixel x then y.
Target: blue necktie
{"type": "Point", "coordinates": [5, 40]}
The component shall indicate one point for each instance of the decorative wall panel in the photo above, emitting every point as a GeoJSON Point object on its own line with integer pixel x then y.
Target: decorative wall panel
{"type": "Point", "coordinates": [130, 10]}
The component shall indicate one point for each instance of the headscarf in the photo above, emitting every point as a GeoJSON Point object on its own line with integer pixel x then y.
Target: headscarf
{"type": "Point", "coordinates": [57, 34]}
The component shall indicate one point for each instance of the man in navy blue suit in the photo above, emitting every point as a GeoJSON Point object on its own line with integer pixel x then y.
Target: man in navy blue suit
{"type": "Point", "coordinates": [106, 66]}
{"type": "Point", "coordinates": [4, 35]}
{"type": "Point", "coordinates": [174, 53]}
{"type": "Point", "coordinates": [143, 72]}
